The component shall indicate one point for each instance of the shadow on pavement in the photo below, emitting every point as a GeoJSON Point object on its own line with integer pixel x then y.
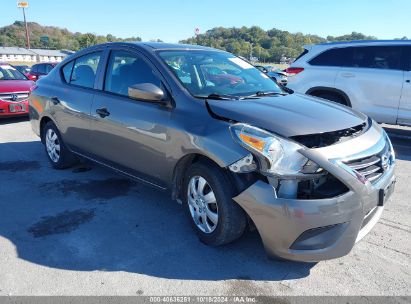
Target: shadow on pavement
{"type": "Point", "coordinates": [11, 120]}
{"type": "Point", "coordinates": [401, 140]}
{"type": "Point", "coordinates": [84, 220]}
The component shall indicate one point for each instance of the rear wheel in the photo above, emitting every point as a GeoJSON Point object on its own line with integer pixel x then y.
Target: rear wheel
{"type": "Point", "coordinates": [57, 153]}
{"type": "Point", "coordinates": [215, 217]}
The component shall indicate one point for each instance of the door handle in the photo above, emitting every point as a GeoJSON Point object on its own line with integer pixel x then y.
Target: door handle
{"type": "Point", "coordinates": [348, 75]}
{"type": "Point", "coordinates": [55, 100]}
{"type": "Point", "coordinates": [102, 112]}
{"type": "Point", "coordinates": [407, 81]}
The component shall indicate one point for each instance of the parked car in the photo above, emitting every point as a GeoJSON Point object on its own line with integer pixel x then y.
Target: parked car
{"type": "Point", "coordinates": [276, 74]}
{"type": "Point", "coordinates": [218, 76]}
{"type": "Point", "coordinates": [14, 91]}
{"type": "Point", "coordinates": [25, 69]}
{"type": "Point", "coordinates": [312, 176]}
{"type": "Point", "coordinates": [370, 76]}
{"type": "Point", "coordinates": [39, 70]}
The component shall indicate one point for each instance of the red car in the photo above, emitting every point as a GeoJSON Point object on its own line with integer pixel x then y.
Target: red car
{"type": "Point", "coordinates": [220, 77]}
{"type": "Point", "coordinates": [14, 91]}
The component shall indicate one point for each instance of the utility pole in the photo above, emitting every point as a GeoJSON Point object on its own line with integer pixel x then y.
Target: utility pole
{"type": "Point", "coordinates": [251, 50]}
{"type": "Point", "coordinates": [23, 5]}
{"type": "Point", "coordinates": [197, 34]}
{"type": "Point", "coordinates": [27, 30]}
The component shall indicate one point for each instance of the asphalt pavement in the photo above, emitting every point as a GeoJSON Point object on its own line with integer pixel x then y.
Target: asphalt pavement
{"type": "Point", "coordinates": [89, 231]}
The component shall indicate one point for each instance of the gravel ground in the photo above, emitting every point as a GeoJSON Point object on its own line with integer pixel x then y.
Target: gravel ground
{"type": "Point", "coordinates": [88, 231]}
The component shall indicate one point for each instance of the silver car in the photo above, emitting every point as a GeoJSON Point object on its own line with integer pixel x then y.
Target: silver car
{"type": "Point", "coordinates": [237, 151]}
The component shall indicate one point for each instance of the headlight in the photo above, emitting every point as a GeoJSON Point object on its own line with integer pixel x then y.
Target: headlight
{"type": "Point", "coordinates": [277, 156]}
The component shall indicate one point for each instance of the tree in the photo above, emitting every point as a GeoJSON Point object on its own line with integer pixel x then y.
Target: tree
{"type": "Point", "coordinates": [269, 45]}
{"type": "Point", "coordinates": [13, 35]}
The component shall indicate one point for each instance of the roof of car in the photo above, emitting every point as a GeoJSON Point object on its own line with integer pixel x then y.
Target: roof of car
{"type": "Point", "coordinates": [366, 41]}
{"type": "Point", "coordinates": [46, 63]}
{"type": "Point", "coordinates": [169, 46]}
{"type": "Point", "coordinates": [359, 42]}
{"type": "Point", "coordinates": [159, 45]}
{"type": "Point", "coordinates": [326, 45]}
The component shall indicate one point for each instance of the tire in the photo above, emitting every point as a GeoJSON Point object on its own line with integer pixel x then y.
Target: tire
{"type": "Point", "coordinates": [57, 153]}
{"type": "Point", "coordinates": [331, 96]}
{"type": "Point", "coordinates": [231, 219]}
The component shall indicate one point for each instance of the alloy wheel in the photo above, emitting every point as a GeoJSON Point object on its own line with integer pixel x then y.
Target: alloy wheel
{"type": "Point", "coordinates": [202, 204]}
{"type": "Point", "coordinates": [53, 145]}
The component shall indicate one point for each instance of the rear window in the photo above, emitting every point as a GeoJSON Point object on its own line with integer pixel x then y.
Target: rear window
{"type": "Point", "coordinates": [67, 71]}
{"type": "Point", "coordinates": [301, 55]}
{"type": "Point", "coordinates": [7, 72]}
{"type": "Point", "coordinates": [333, 57]}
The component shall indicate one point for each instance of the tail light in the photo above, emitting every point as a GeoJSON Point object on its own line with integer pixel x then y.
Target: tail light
{"type": "Point", "coordinates": [293, 71]}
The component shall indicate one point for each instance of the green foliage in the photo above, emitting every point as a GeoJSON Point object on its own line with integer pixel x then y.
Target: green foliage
{"type": "Point", "coordinates": [269, 45]}
{"type": "Point", "coordinates": [14, 35]}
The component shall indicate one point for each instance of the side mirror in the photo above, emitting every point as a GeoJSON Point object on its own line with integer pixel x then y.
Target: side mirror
{"type": "Point", "coordinates": [146, 91]}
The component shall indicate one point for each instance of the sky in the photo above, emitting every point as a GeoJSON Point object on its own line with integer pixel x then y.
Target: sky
{"type": "Point", "coordinates": [173, 20]}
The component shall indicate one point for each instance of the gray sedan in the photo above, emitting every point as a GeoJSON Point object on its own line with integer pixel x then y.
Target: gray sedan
{"type": "Point", "coordinates": [225, 140]}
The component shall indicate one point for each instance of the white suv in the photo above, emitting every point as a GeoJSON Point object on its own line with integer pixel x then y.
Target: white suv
{"type": "Point", "coordinates": [373, 77]}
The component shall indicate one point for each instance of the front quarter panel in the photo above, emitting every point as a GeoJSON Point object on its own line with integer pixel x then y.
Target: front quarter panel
{"type": "Point", "coordinates": [194, 132]}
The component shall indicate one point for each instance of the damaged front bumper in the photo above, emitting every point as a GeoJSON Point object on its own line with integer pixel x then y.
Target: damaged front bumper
{"type": "Point", "coordinates": [319, 229]}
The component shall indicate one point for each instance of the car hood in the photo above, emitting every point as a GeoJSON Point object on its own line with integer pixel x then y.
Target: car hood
{"type": "Point", "coordinates": [290, 115]}
{"type": "Point", "coordinates": [8, 86]}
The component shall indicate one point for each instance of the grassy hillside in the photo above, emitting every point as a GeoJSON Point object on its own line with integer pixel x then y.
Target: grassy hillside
{"type": "Point", "coordinates": [268, 45]}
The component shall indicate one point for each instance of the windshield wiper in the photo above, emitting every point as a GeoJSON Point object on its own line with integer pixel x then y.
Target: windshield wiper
{"type": "Point", "coordinates": [224, 97]}
{"type": "Point", "coordinates": [268, 93]}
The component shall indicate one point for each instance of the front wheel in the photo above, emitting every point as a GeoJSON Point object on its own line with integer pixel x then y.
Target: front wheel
{"type": "Point", "coordinates": [59, 156]}
{"type": "Point", "coordinates": [215, 217]}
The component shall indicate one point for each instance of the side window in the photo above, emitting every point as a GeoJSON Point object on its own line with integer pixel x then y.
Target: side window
{"type": "Point", "coordinates": [41, 68]}
{"type": "Point", "coordinates": [126, 69]}
{"type": "Point", "coordinates": [377, 57]}
{"type": "Point", "coordinates": [333, 57]}
{"type": "Point", "coordinates": [49, 67]}
{"type": "Point", "coordinates": [34, 68]}
{"type": "Point", "coordinates": [67, 71]}
{"type": "Point", "coordinates": [84, 70]}
{"type": "Point", "coordinates": [407, 58]}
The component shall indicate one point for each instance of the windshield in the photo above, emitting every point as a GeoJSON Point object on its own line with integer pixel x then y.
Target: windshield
{"type": "Point", "coordinates": [205, 73]}
{"type": "Point", "coordinates": [7, 72]}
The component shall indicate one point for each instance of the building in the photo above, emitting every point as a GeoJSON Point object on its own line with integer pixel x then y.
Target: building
{"type": "Point", "coordinates": [8, 54]}
{"type": "Point", "coordinates": [49, 55]}
{"type": "Point", "coordinates": [17, 54]}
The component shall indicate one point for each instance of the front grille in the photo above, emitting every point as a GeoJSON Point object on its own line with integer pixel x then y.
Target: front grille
{"type": "Point", "coordinates": [14, 96]}
{"type": "Point", "coordinates": [374, 166]}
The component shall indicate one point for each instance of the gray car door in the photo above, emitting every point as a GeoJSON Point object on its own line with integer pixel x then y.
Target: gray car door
{"type": "Point", "coordinates": [128, 134]}
{"type": "Point", "coordinates": [71, 102]}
